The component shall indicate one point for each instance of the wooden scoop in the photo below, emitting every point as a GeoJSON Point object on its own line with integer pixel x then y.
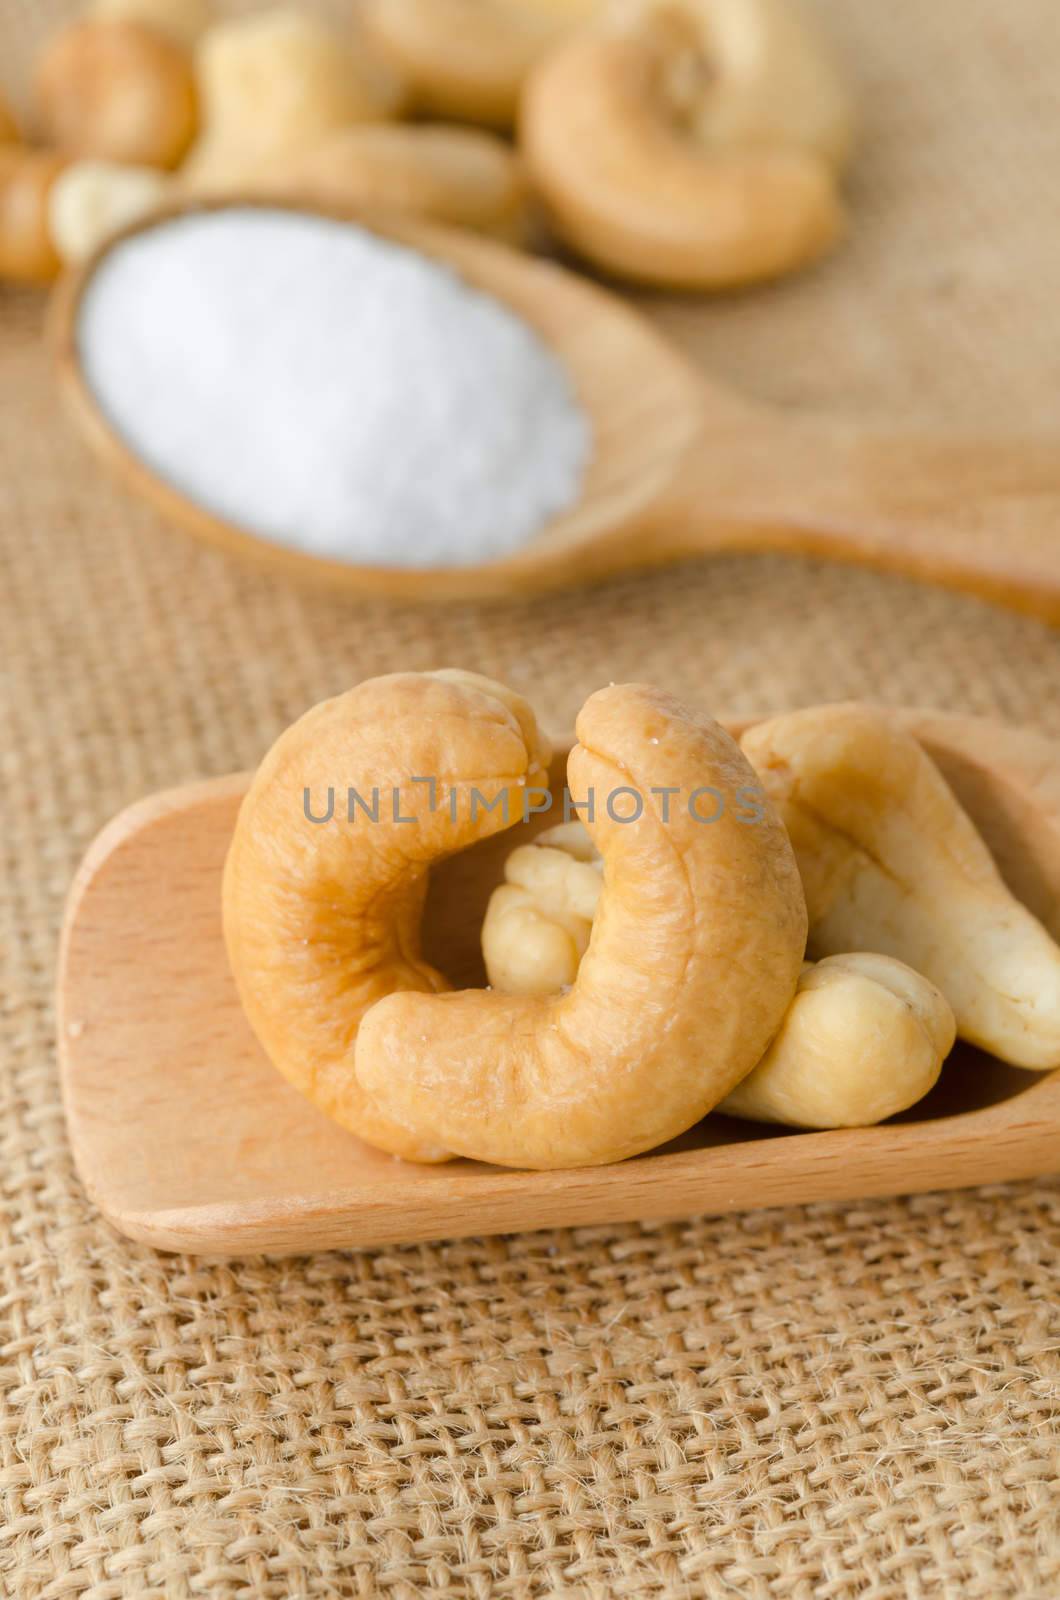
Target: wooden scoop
{"type": "Point", "coordinates": [187, 1137]}
{"type": "Point", "coordinates": [681, 465]}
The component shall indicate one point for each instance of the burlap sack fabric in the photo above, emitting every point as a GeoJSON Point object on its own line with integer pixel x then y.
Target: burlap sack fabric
{"type": "Point", "coordinates": [833, 1402]}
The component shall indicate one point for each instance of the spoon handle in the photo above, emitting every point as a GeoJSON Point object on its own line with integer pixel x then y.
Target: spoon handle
{"type": "Point", "coordinates": [982, 515]}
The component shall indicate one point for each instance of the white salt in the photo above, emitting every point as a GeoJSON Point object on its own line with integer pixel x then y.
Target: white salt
{"type": "Point", "coordinates": [329, 391]}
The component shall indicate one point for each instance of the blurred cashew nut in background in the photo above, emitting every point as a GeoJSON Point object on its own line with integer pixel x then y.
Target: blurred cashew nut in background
{"type": "Point", "coordinates": [116, 91]}
{"type": "Point", "coordinates": [694, 144]}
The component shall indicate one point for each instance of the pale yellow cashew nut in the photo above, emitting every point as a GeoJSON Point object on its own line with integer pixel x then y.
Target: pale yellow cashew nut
{"type": "Point", "coordinates": [538, 922]}
{"type": "Point", "coordinates": [321, 919]}
{"type": "Point", "coordinates": [695, 953]}
{"type": "Point", "coordinates": [690, 143]}
{"type": "Point", "coordinates": [892, 863]}
{"type": "Point", "coordinates": [864, 1038]}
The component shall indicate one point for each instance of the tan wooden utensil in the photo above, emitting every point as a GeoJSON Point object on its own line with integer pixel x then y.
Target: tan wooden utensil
{"type": "Point", "coordinates": [682, 466]}
{"type": "Point", "coordinates": [187, 1137]}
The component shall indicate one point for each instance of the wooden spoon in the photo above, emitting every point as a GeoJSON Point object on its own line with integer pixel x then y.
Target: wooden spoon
{"type": "Point", "coordinates": [187, 1137]}
{"type": "Point", "coordinates": [682, 466]}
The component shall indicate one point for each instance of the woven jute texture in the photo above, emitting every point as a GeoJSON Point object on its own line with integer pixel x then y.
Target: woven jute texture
{"type": "Point", "coordinates": [839, 1402]}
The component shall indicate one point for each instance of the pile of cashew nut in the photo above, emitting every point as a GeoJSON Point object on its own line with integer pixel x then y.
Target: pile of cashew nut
{"type": "Point", "coordinates": [685, 143]}
{"type": "Point", "coordinates": [645, 969]}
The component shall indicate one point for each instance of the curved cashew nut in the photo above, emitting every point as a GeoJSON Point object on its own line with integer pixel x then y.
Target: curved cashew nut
{"type": "Point", "coordinates": [322, 919]}
{"type": "Point", "coordinates": [864, 1038]}
{"type": "Point", "coordinates": [466, 59]}
{"type": "Point", "coordinates": [890, 862]}
{"type": "Point", "coordinates": [694, 957]}
{"type": "Point", "coordinates": [690, 143]}
{"type": "Point", "coordinates": [275, 84]}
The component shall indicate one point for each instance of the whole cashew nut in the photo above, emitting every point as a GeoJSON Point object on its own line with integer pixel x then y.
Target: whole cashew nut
{"type": "Point", "coordinates": [695, 953]}
{"type": "Point", "coordinates": [322, 919]}
{"type": "Point", "coordinates": [116, 91]}
{"type": "Point", "coordinates": [864, 1037]}
{"type": "Point", "coordinates": [690, 143]}
{"type": "Point", "coordinates": [890, 862]}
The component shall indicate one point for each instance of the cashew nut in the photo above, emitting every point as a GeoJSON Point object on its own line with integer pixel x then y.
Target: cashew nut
{"type": "Point", "coordinates": [466, 59]}
{"type": "Point", "coordinates": [93, 199]}
{"type": "Point", "coordinates": [182, 20]}
{"type": "Point", "coordinates": [695, 953]}
{"type": "Point", "coordinates": [890, 862]}
{"type": "Point", "coordinates": [538, 921]}
{"type": "Point", "coordinates": [27, 254]}
{"type": "Point", "coordinates": [322, 919]}
{"type": "Point", "coordinates": [690, 143]}
{"type": "Point", "coordinates": [462, 176]}
{"type": "Point", "coordinates": [117, 91]}
{"type": "Point", "coordinates": [864, 1038]}
{"type": "Point", "coordinates": [275, 84]}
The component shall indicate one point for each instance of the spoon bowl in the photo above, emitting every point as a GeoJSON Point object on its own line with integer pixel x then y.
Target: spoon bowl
{"type": "Point", "coordinates": [187, 1137]}
{"type": "Point", "coordinates": [680, 465]}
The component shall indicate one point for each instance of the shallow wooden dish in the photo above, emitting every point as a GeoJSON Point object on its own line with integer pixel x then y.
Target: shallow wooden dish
{"type": "Point", "coordinates": [681, 465]}
{"type": "Point", "coordinates": [186, 1137]}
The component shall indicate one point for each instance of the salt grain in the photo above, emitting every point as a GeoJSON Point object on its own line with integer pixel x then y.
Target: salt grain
{"type": "Point", "coordinates": [330, 391]}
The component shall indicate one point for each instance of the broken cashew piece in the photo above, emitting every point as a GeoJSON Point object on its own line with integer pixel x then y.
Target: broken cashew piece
{"type": "Point", "coordinates": [692, 144]}
{"type": "Point", "coordinates": [864, 1038]}
{"type": "Point", "coordinates": [465, 60]}
{"type": "Point", "coordinates": [274, 85]}
{"type": "Point", "coordinates": [890, 862]}
{"type": "Point", "coordinates": [695, 953]}
{"type": "Point", "coordinates": [464, 177]}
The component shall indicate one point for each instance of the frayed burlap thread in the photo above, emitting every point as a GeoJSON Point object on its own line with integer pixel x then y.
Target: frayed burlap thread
{"type": "Point", "coordinates": [828, 1403]}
